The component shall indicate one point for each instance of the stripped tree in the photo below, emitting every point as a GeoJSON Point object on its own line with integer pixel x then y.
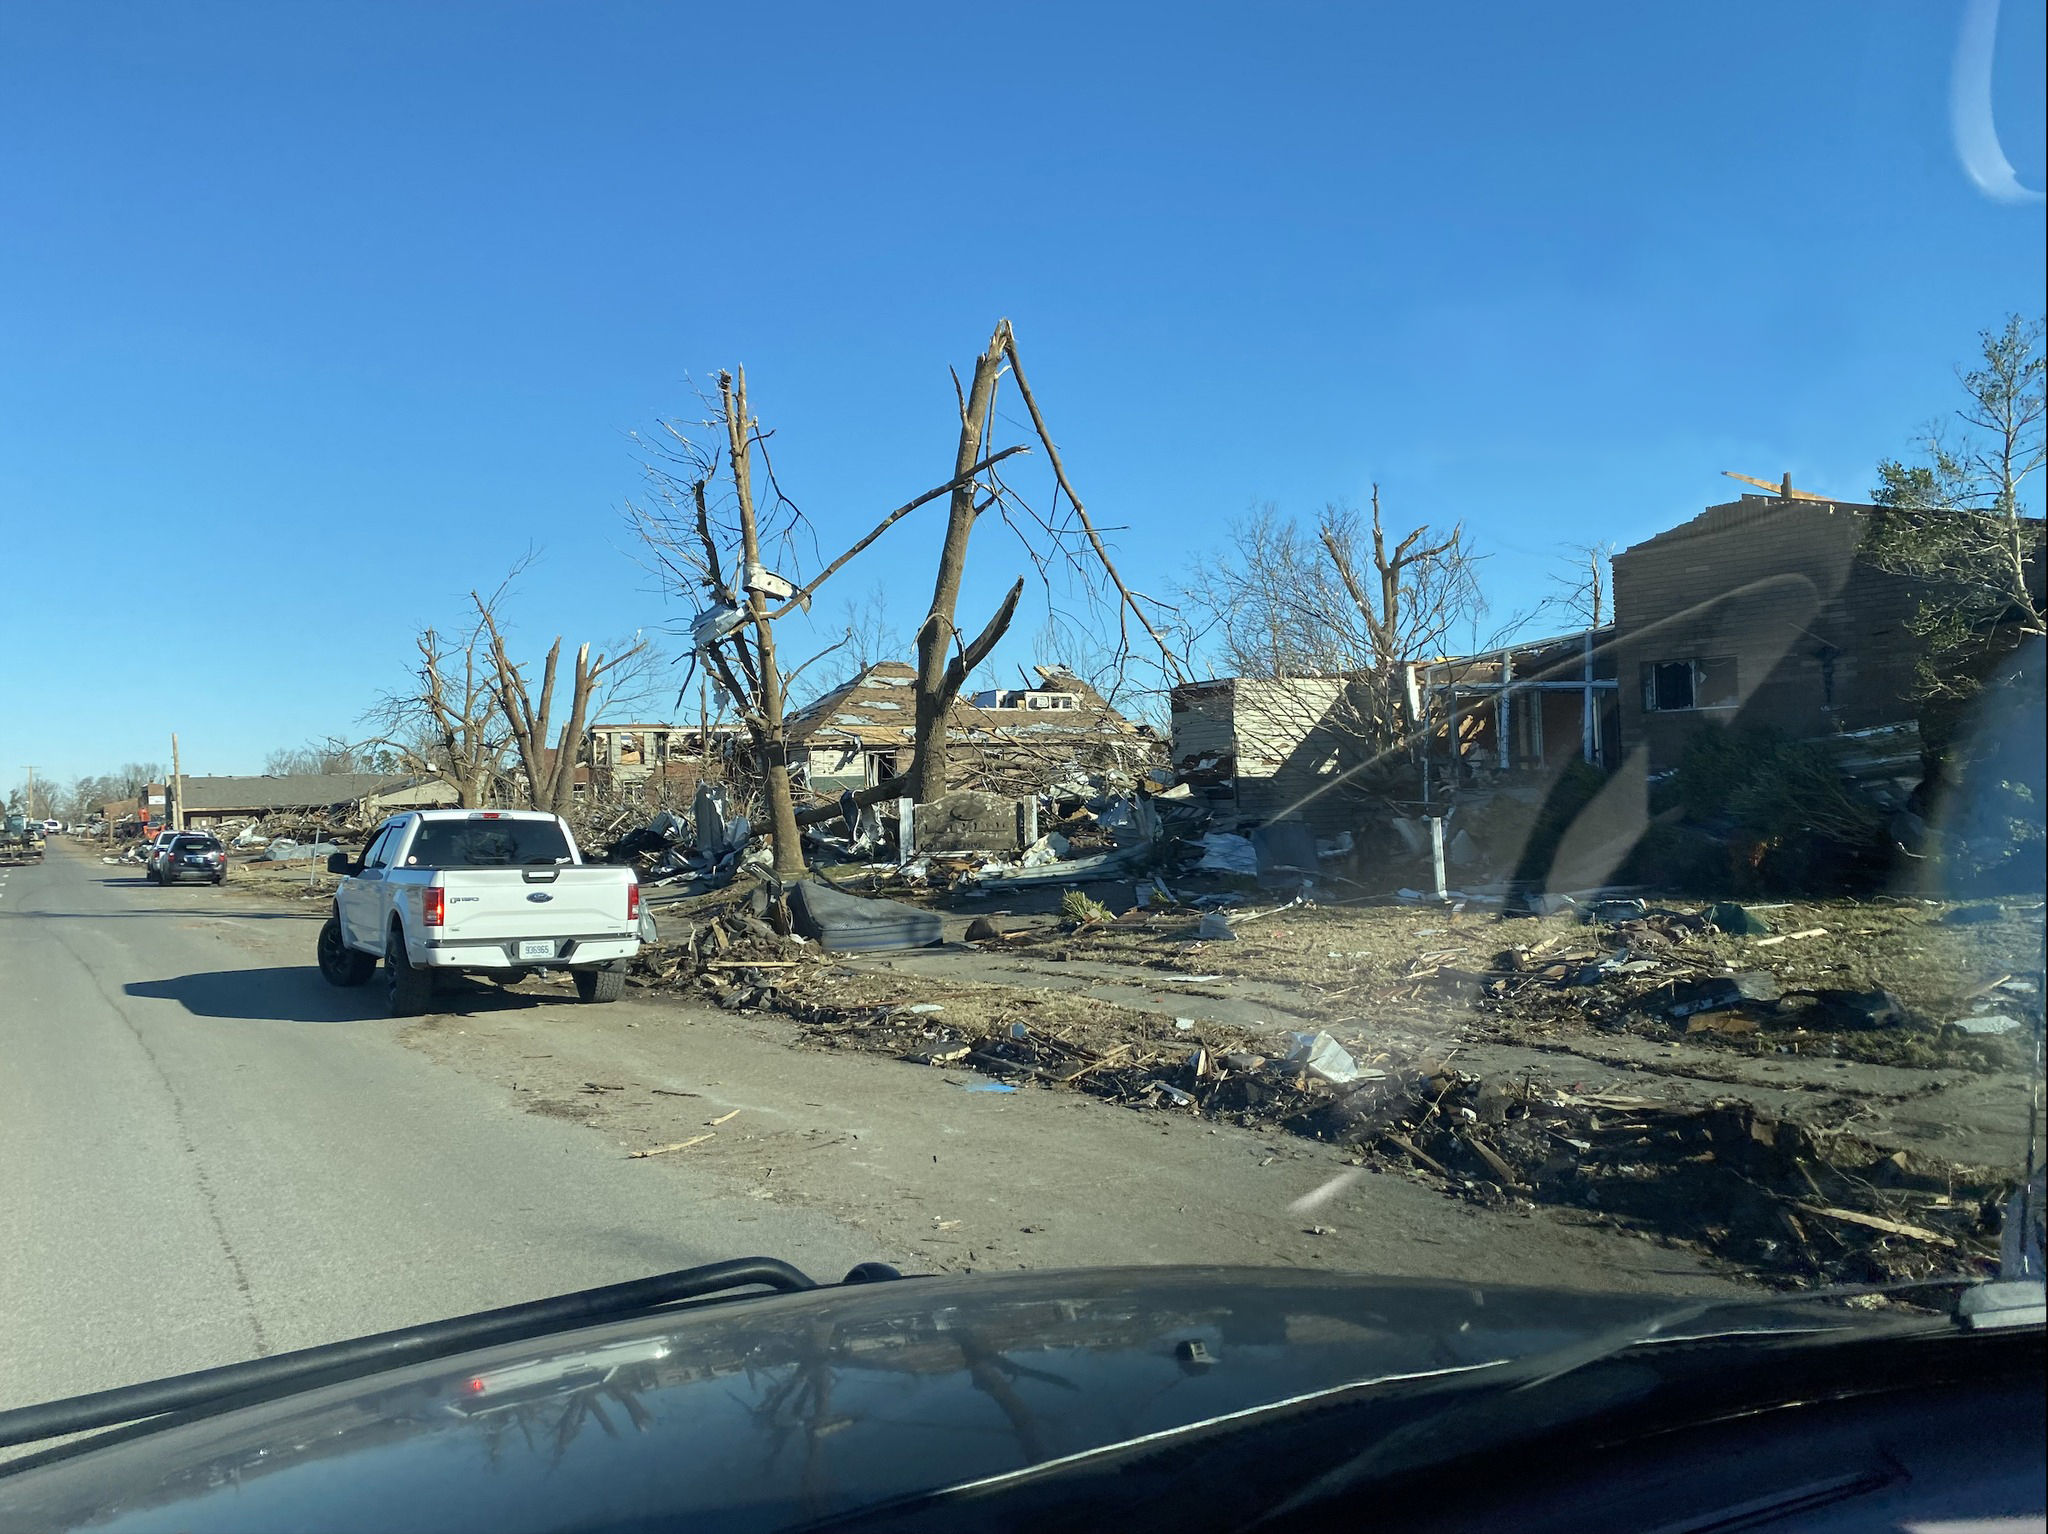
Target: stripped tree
{"type": "Point", "coordinates": [1343, 599]}
{"type": "Point", "coordinates": [705, 528]}
{"type": "Point", "coordinates": [1957, 522]}
{"type": "Point", "coordinates": [696, 509]}
{"type": "Point", "coordinates": [445, 723]}
{"type": "Point", "coordinates": [550, 768]}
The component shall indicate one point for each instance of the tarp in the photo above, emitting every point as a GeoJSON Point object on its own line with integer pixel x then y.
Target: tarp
{"type": "Point", "coordinates": [855, 924]}
{"type": "Point", "coordinates": [1284, 847]}
{"type": "Point", "coordinates": [1226, 853]}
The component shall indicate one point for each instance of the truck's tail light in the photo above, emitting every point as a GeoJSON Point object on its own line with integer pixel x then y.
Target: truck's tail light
{"type": "Point", "coordinates": [434, 905]}
{"type": "Point", "coordinates": [632, 902]}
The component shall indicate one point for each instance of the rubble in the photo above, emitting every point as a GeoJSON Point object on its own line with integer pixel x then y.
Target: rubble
{"type": "Point", "coordinates": [1323, 1058]}
{"type": "Point", "coordinates": [852, 924]}
{"type": "Point", "coordinates": [1988, 1023]}
{"type": "Point", "coordinates": [1736, 920]}
{"type": "Point", "coordinates": [1781, 1200]}
{"type": "Point", "coordinates": [283, 849]}
{"type": "Point", "coordinates": [1225, 852]}
{"type": "Point", "coordinates": [1683, 998]}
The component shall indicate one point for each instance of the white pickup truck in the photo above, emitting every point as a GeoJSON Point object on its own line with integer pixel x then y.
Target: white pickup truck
{"type": "Point", "coordinates": [500, 890]}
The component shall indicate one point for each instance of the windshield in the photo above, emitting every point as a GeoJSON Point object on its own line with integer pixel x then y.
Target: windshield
{"type": "Point", "coordinates": [486, 844]}
{"type": "Point", "coordinates": [1358, 639]}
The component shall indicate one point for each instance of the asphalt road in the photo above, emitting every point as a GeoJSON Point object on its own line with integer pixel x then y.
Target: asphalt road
{"type": "Point", "coordinates": [208, 1154]}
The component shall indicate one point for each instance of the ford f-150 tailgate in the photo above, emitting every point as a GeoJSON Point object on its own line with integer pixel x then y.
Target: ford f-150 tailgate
{"type": "Point", "coordinates": [496, 888]}
{"type": "Point", "coordinates": [532, 906]}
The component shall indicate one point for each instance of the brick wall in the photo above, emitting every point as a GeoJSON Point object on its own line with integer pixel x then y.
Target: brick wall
{"type": "Point", "coordinates": [1816, 634]}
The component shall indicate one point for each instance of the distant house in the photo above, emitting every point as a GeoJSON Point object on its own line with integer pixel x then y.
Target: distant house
{"type": "Point", "coordinates": [1011, 739]}
{"type": "Point", "coordinates": [860, 733]}
{"type": "Point", "coordinates": [214, 801]}
{"type": "Point", "coordinates": [147, 808]}
{"type": "Point", "coordinates": [626, 755]}
{"type": "Point", "coordinates": [1764, 611]}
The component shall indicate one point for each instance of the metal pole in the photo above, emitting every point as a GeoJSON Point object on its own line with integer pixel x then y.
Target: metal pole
{"type": "Point", "coordinates": [1457, 741]}
{"type": "Point", "coordinates": [1504, 710]}
{"type": "Point", "coordinates": [1436, 854]}
{"type": "Point", "coordinates": [1588, 714]}
{"type": "Point", "coordinates": [1423, 717]}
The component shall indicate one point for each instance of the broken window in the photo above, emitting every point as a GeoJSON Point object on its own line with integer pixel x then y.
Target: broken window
{"type": "Point", "coordinates": [1674, 686]}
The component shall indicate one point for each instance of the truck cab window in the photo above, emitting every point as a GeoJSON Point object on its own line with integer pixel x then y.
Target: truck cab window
{"type": "Point", "coordinates": [378, 853]}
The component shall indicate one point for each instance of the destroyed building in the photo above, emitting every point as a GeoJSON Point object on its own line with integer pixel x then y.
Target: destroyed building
{"type": "Point", "coordinates": [632, 752]}
{"type": "Point", "coordinates": [126, 816]}
{"type": "Point", "coordinates": [1762, 612]}
{"type": "Point", "coordinates": [864, 732]}
{"type": "Point", "coordinates": [1526, 708]}
{"type": "Point", "coordinates": [1264, 749]}
{"type": "Point", "coordinates": [644, 757]}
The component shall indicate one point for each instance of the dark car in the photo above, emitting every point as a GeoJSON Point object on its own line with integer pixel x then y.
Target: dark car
{"type": "Point", "coordinates": [192, 857]}
{"type": "Point", "coordinates": [1182, 1399]}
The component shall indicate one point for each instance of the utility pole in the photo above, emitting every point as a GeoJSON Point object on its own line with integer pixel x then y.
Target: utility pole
{"type": "Point", "coordinates": [30, 808]}
{"type": "Point", "coordinates": [177, 795]}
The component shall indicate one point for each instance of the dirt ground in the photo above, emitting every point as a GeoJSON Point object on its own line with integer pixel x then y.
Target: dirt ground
{"type": "Point", "coordinates": [949, 1169]}
{"type": "Point", "coordinates": [1797, 1101]}
{"type": "Point", "coordinates": [1794, 1104]}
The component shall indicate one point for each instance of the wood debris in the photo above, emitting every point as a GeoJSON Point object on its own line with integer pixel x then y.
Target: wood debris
{"type": "Point", "coordinates": [663, 1150]}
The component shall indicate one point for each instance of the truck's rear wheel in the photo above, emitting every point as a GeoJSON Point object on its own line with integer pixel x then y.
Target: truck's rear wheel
{"type": "Point", "coordinates": [339, 963]}
{"type": "Point", "coordinates": [605, 984]}
{"type": "Point", "coordinates": [408, 990]}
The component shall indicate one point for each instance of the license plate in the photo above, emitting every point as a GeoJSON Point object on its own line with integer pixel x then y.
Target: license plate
{"type": "Point", "coordinates": [537, 950]}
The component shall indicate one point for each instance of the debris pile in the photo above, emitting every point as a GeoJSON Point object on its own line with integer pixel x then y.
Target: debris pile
{"type": "Point", "coordinates": [1764, 1192]}
{"type": "Point", "coordinates": [705, 850]}
{"type": "Point", "coordinates": [729, 955]}
{"type": "Point", "coordinates": [1783, 1200]}
{"type": "Point", "coordinates": [1901, 983]}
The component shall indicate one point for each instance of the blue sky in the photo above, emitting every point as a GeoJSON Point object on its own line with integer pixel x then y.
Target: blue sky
{"type": "Point", "coordinates": [314, 316]}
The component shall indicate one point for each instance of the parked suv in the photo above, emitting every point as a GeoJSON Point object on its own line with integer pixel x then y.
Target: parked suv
{"type": "Point", "coordinates": [155, 849]}
{"type": "Point", "coordinates": [191, 856]}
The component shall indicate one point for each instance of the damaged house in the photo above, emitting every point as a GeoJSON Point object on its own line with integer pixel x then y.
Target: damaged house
{"type": "Point", "coordinates": [339, 797]}
{"type": "Point", "coordinates": [1760, 612]}
{"type": "Point", "coordinates": [1763, 612]}
{"type": "Point", "coordinates": [1021, 739]}
{"type": "Point", "coordinates": [628, 758]}
{"type": "Point", "coordinates": [1526, 708]}
{"type": "Point", "coordinates": [1265, 749]}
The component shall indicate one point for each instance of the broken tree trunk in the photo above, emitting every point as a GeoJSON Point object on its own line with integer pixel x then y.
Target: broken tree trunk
{"type": "Point", "coordinates": [550, 773]}
{"type": "Point", "coordinates": [942, 666]}
{"type": "Point", "coordinates": [789, 852]}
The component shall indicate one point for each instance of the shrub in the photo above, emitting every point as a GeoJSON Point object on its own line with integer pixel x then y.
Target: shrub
{"type": "Point", "coordinates": [1794, 820]}
{"type": "Point", "coordinates": [1080, 910]}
